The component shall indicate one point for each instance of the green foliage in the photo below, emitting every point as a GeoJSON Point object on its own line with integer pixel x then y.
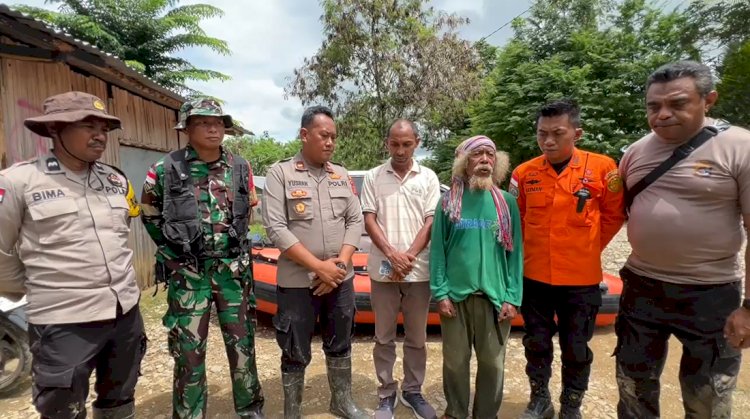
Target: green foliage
{"type": "Point", "coordinates": [734, 89]}
{"type": "Point", "coordinates": [146, 34]}
{"type": "Point", "coordinates": [725, 35]}
{"type": "Point", "coordinates": [441, 161]}
{"type": "Point", "coordinates": [261, 151]}
{"type": "Point", "coordinates": [597, 57]}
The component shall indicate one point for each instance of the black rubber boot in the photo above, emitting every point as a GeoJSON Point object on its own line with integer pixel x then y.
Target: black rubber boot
{"type": "Point", "coordinates": [540, 402]}
{"type": "Point", "coordinates": [126, 411]}
{"type": "Point", "coordinates": [294, 385]}
{"type": "Point", "coordinates": [570, 404]}
{"type": "Point", "coordinates": [340, 381]}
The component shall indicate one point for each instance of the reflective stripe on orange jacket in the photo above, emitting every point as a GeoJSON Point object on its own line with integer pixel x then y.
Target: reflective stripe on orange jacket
{"type": "Point", "coordinates": [563, 246]}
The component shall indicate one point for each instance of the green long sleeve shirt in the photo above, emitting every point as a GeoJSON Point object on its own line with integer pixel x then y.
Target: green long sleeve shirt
{"type": "Point", "coordinates": [466, 257]}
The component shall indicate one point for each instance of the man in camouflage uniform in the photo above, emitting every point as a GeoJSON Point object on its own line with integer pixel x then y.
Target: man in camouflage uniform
{"type": "Point", "coordinates": [196, 206]}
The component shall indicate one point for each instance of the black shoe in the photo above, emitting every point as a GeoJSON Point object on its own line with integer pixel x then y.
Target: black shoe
{"type": "Point", "coordinates": [570, 404]}
{"type": "Point", "coordinates": [540, 403]}
{"type": "Point", "coordinates": [386, 406]}
{"type": "Point", "coordinates": [418, 405]}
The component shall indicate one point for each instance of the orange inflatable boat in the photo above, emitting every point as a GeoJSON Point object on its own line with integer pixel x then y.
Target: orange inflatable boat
{"type": "Point", "coordinates": [264, 271]}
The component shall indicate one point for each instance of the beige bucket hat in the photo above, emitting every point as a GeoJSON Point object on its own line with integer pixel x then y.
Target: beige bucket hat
{"type": "Point", "coordinates": [70, 107]}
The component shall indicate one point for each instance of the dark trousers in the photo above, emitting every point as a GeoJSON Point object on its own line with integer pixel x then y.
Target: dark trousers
{"type": "Point", "coordinates": [651, 311]}
{"type": "Point", "coordinates": [299, 311]}
{"type": "Point", "coordinates": [65, 355]}
{"type": "Point", "coordinates": [576, 308]}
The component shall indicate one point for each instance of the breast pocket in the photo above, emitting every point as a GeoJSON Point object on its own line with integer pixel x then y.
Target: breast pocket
{"type": "Point", "coordinates": [339, 201]}
{"type": "Point", "coordinates": [299, 204]}
{"type": "Point", "coordinates": [585, 218]}
{"type": "Point", "coordinates": [536, 208]}
{"type": "Point", "coordinates": [56, 221]}
{"type": "Point", "coordinates": [119, 212]}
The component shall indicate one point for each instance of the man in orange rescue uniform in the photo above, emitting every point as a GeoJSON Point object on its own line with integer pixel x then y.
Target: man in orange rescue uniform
{"type": "Point", "coordinates": [571, 204]}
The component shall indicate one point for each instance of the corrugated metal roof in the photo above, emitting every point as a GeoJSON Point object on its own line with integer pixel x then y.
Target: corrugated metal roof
{"type": "Point", "coordinates": [110, 59]}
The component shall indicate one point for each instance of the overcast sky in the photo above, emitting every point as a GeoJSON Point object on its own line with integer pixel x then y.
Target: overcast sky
{"type": "Point", "coordinates": [270, 38]}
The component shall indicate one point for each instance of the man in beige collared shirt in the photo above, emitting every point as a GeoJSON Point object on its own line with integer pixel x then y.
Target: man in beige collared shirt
{"type": "Point", "coordinates": [64, 222]}
{"type": "Point", "coordinates": [313, 216]}
{"type": "Point", "coordinates": [399, 200]}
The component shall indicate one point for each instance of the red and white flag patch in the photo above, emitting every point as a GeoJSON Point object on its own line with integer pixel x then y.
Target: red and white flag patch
{"type": "Point", "coordinates": [2, 195]}
{"type": "Point", "coordinates": [151, 176]}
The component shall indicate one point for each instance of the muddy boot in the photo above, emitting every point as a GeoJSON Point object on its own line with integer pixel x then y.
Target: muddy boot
{"type": "Point", "coordinates": [126, 411]}
{"type": "Point", "coordinates": [254, 412]}
{"type": "Point", "coordinates": [340, 381]}
{"type": "Point", "coordinates": [294, 384]}
{"type": "Point", "coordinates": [570, 404]}
{"type": "Point", "coordinates": [540, 403]}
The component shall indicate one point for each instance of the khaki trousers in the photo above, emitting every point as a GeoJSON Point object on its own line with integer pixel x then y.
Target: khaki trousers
{"type": "Point", "coordinates": [413, 300]}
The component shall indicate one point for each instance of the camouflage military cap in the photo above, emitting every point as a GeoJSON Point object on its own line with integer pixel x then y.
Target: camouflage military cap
{"type": "Point", "coordinates": [202, 106]}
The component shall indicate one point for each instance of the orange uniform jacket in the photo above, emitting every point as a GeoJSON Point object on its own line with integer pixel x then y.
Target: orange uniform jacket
{"type": "Point", "coordinates": [561, 245]}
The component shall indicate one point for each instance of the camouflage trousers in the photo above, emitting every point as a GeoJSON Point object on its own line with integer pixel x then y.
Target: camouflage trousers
{"type": "Point", "coordinates": [228, 284]}
{"type": "Point", "coordinates": [651, 311]}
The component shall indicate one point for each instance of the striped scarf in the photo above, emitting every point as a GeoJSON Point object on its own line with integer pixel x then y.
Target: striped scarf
{"type": "Point", "coordinates": [452, 198]}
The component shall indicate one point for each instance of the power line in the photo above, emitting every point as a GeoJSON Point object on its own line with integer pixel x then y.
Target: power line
{"type": "Point", "coordinates": [506, 24]}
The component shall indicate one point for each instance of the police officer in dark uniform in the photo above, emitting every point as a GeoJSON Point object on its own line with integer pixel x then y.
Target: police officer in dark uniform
{"type": "Point", "coordinates": [313, 216]}
{"type": "Point", "coordinates": [64, 223]}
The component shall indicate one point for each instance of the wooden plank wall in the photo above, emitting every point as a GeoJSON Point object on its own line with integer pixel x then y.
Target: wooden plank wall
{"type": "Point", "coordinates": [145, 124]}
{"type": "Point", "coordinates": [24, 84]}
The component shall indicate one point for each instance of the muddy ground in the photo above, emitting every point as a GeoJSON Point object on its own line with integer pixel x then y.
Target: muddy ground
{"type": "Point", "coordinates": [154, 388]}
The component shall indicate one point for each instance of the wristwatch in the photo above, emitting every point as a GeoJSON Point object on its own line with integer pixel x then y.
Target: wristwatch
{"type": "Point", "coordinates": [746, 303]}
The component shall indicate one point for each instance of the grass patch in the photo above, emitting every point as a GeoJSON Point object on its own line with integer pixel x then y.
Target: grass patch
{"type": "Point", "coordinates": [153, 306]}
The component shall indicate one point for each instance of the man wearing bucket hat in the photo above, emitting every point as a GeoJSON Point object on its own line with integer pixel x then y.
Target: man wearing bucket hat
{"type": "Point", "coordinates": [64, 222]}
{"type": "Point", "coordinates": [196, 208]}
{"type": "Point", "coordinates": [476, 276]}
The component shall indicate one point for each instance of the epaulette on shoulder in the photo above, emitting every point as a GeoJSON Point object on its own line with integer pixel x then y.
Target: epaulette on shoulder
{"type": "Point", "coordinates": [115, 168]}
{"type": "Point", "coordinates": [286, 159]}
{"type": "Point", "coordinates": [32, 160]}
{"type": "Point", "coordinates": [336, 163]}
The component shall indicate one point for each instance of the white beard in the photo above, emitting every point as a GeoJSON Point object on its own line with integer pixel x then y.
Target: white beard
{"type": "Point", "coordinates": [480, 183]}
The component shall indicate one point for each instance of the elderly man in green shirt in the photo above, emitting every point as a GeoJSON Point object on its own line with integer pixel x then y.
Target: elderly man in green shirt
{"type": "Point", "coordinates": [476, 276]}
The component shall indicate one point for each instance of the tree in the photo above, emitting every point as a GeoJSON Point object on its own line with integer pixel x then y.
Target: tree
{"type": "Point", "coordinates": [144, 33]}
{"type": "Point", "coordinates": [602, 63]}
{"type": "Point", "coordinates": [725, 35]}
{"type": "Point", "coordinates": [734, 88]}
{"type": "Point", "coordinates": [261, 152]}
{"type": "Point", "coordinates": [388, 59]}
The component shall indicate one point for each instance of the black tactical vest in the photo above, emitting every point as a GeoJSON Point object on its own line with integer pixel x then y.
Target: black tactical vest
{"type": "Point", "coordinates": [182, 223]}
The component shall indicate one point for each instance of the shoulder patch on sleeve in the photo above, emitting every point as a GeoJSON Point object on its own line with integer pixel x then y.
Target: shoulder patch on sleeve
{"type": "Point", "coordinates": [513, 188]}
{"type": "Point", "coordinates": [2, 195]}
{"type": "Point", "coordinates": [614, 181]}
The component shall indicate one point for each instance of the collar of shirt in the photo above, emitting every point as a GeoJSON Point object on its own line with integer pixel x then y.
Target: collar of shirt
{"type": "Point", "coordinates": [577, 160]}
{"type": "Point", "coordinates": [303, 165]}
{"type": "Point", "coordinates": [415, 167]}
{"type": "Point", "coordinates": [191, 154]}
{"type": "Point", "coordinates": [53, 166]}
